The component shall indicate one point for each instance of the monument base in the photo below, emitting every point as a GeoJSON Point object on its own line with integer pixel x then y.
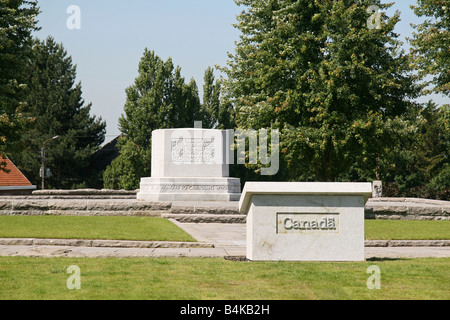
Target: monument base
{"type": "Point", "coordinates": [189, 189]}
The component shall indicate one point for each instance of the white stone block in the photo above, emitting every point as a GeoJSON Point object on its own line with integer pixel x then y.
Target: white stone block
{"type": "Point", "coordinates": [189, 153]}
{"type": "Point", "coordinates": [305, 221]}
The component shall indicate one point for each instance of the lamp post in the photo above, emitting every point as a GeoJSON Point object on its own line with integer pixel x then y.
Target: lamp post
{"type": "Point", "coordinates": [43, 160]}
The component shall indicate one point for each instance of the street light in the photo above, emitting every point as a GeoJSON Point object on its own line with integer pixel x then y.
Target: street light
{"type": "Point", "coordinates": [43, 160]}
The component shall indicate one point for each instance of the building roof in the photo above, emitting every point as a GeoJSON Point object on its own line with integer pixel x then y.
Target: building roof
{"type": "Point", "coordinates": [14, 177]}
{"type": "Point", "coordinates": [101, 159]}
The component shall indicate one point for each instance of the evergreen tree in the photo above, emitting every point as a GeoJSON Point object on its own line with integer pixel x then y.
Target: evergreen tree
{"type": "Point", "coordinates": [338, 91]}
{"type": "Point", "coordinates": [419, 168]}
{"type": "Point", "coordinates": [55, 103]}
{"type": "Point", "coordinates": [434, 158]}
{"type": "Point", "coordinates": [431, 58]}
{"type": "Point", "coordinates": [158, 99]}
{"type": "Point", "coordinates": [217, 112]}
{"type": "Point", "coordinates": [211, 99]}
{"type": "Point", "coordinates": [17, 22]}
{"type": "Point", "coordinates": [433, 141]}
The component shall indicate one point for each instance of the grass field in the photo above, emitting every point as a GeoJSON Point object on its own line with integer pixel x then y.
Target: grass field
{"type": "Point", "coordinates": [213, 279]}
{"type": "Point", "coordinates": [147, 228]}
{"type": "Point", "coordinates": [24, 278]}
{"type": "Point", "coordinates": [81, 227]}
{"type": "Point", "coordinates": [407, 230]}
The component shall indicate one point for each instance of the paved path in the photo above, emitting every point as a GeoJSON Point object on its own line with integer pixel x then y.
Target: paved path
{"type": "Point", "coordinates": [228, 240]}
{"type": "Point", "coordinates": [231, 239]}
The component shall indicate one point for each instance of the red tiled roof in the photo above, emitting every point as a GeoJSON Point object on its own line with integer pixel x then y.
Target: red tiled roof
{"type": "Point", "coordinates": [13, 178]}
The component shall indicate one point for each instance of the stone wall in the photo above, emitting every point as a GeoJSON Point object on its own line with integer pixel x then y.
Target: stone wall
{"type": "Point", "coordinates": [124, 203]}
{"type": "Point", "coordinates": [74, 207]}
{"type": "Point", "coordinates": [407, 209]}
{"type": "Point", "coordinates": [84, 194]}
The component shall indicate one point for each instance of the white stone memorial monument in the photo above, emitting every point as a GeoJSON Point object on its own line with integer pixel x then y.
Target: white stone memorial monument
{"type": "Point", "coordinates": [301, 221]}
{"type": "Point", "coordinates": [189, 165]}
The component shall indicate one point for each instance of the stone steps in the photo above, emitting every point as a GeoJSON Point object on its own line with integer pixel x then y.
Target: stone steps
{"type": "Point", "coordinates": [195, 212]}
{"type": "Point", "coordinates": [210, 212]}
{"type": "Point", "coordinates": [102, 243]}
{"type": "Point", "coordinates": [78, 207]}
{"type": "Point", "coordinates": [173, 245]}
{"type": "Point", "coordinates": [407, 209]}
{"type": "Point", "coordinates": [203, 212]}
{"type": "Point", "coordinates": [206, 218]}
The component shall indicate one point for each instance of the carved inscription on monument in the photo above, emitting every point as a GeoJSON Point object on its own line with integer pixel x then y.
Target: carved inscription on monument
{"type": "Point", "coordinates": [185, 187]}
{"type": "Point", "coordinates": [317, 223]}
{"type": "Point", "coordinates": [193, 151]}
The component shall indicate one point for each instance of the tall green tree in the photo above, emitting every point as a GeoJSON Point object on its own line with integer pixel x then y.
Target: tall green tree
{"type": "Point", "coordinates": [17, 22]}
{"type": "Point", "coordinates": [411, 170]}
{"type": "Point", "coordinates": [338, 90]}
{"type": "Point", "coordinates": [216, 110]}
{"type": "Point", "coordinates": [159, 98]}
{"type": "Point", "coordinates": [211, 99]}
{"type": "Point", "coordinates": [431, 58]}
{"type": "Point", "coordinates": [430, 44]}
{"type": "Point", "coordinates": [54, 101]}
{"type": "Point", "coordinates": [433, 141]}
{"type": "Point", "coordinates": [434, 144]}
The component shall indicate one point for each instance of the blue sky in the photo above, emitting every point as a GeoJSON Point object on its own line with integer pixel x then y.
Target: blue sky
{"type": "Point", "coordinates": [114, 33]}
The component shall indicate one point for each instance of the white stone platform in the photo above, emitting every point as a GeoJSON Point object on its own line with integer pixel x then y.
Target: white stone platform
{"type": "Point", "coordinates": [190, 189]}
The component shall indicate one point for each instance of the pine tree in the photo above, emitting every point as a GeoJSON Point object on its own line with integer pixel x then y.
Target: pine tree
{"type": "Point", "coordinates": [17, 22]}
{"type": "Point", "coordinates": [433, 157]}
{"type": "Point", "coordinates": [211, 99]}
{"type": "Point", "coordinates": [216, 110]}
{"type": "Point", "coordinates": [431, 58]}
{"type": "Point", "coordinates": [55, 103]}
{"type": "Point", "coordinates": [338, 91]}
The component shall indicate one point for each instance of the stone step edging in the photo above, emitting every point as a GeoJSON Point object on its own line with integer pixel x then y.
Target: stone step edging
{"type": "Point", "coordinates": [102, 243]}
{"type": "Point", "coordinates": [173, 244]}
{"type": "Point", "coordinates": [407, 243]}
{"type": "Point", "coordinates": [376, 208]}
{"type": "Point", "coordinates": [206, 218]}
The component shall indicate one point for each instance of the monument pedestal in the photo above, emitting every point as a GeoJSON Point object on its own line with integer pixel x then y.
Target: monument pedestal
{"type": "Point", "coordinates": [189, 165]}
{"type": "Point", "coordinates": [190, 189]}
{"type": "Point", "coordinates": [295, 221]}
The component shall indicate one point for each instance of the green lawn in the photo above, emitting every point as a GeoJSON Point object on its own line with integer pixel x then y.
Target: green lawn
{"type": "Point", "coordinates": [148, 228]}
{"type": "Point", "coordinates": [407, 230]}
{"type": "Point", "coordinates": [211, 279]}
{"type": "Point", "coordinates": [81, 227]}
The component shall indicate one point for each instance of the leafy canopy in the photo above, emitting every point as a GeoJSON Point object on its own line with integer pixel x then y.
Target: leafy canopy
{"type": "Point", "coordinates": [338, 91]}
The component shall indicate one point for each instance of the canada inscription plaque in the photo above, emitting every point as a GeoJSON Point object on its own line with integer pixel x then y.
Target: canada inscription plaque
{"type": "Point", "coordinates": [307, 223]}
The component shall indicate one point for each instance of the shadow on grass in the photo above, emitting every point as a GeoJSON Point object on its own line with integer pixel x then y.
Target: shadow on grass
{"type": "Point", "coordinates": [376, 259]}
{"type": "Point", "coordinates": [386, 259]}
